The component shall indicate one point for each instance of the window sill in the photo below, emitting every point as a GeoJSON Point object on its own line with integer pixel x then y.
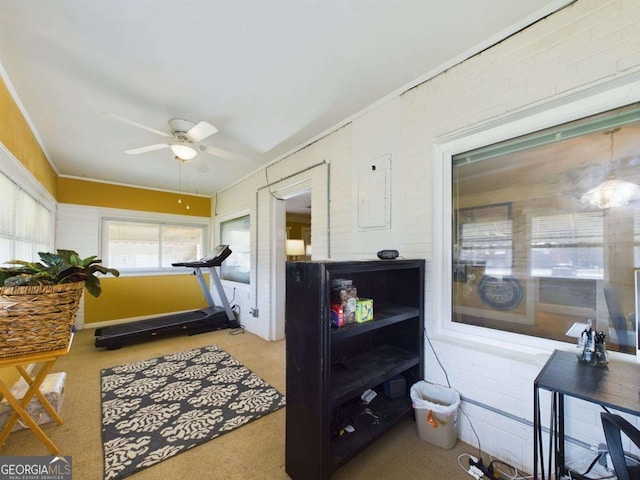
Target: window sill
{"type": "Point", "coordinates": [528, 350]}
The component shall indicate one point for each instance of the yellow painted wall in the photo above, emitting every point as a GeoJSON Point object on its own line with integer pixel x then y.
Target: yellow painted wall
{"type": "Point", "coordinates": [295, 229]}
{"type": "Point", "coordinates": [126, 297]}
{"type": "Point", "coordinates": [16, 135]}
{"type": "Point", "coordinates": [85, 192]}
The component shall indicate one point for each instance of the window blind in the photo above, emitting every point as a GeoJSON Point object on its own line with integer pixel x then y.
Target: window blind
{"type": "Point", "coordinates": [25, 224]}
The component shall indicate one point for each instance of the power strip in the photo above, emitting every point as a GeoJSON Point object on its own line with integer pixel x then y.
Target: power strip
{"type": "Point", "coordinates": [478, 470]}
{"type": "Point", "coordinates": [475, 472]}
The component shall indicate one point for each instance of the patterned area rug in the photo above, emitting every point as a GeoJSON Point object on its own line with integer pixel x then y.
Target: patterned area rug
{"type": "Point", "coordinates": [158, 408]}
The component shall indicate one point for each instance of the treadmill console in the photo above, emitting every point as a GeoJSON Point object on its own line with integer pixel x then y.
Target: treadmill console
{"type": "Point", "coordinates": [214, 259]}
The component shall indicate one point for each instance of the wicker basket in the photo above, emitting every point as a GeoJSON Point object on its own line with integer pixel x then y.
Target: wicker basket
{"type": "Point", "coordinates": [37, 318]}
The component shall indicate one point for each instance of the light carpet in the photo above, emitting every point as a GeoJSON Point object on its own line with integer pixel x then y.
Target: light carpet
{"type": "Point", "coordinates": [158, 408]}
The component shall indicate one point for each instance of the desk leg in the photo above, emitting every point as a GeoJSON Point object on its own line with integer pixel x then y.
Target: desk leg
{"type": "Point", "coordinates": [537, 433]}
{"type": "Point", "coordinates": [21, 412]}
{"type": "Point", "coordinates": [560, 466]}
{"type": "Point", "coordinates": [557, 435]}
{"type": "Point", "coordinates": [552, 437]}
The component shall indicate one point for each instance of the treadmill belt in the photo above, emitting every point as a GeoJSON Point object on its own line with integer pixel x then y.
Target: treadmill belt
{"type": "Point", "coordinates": [198, 321]}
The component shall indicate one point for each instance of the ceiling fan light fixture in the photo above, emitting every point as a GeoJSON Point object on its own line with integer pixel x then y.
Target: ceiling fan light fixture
{"type": "Point", "coordinates": [612, 193]}
{"type": "Point", "coordinates": [183, 152]}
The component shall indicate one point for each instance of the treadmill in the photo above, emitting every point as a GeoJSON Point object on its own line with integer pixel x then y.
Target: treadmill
{"type": "Point", "coordinates": [213, 317]}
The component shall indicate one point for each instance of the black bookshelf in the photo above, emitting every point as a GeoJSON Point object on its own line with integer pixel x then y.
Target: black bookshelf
{"type": "Point", "coordinates": [328, 368]}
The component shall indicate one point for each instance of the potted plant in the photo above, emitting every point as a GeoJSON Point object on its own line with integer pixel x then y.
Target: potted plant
{"type": "Point", "coordinates": [39, 300]}
{"type": "Point", "coordinates": [65, 266]}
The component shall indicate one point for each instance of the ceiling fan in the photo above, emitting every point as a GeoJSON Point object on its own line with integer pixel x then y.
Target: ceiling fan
{"type": "Point", "coordinates": [185, 136]}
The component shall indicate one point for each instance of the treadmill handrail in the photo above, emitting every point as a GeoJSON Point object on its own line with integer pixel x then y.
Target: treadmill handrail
{"type": "Point", "coordinates": [207, 262]}
{"type": "Point", "coordinates": [199, 264]}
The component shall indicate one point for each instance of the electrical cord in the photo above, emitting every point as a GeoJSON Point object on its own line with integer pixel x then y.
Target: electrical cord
{"type": "Point", "coordinates": [266, 176]}
{"type": "Point", "coordinates": [498, 473]}
{"type": "Point", "coordinates": [514, 475]}
{"type": "Point", "coordinates": [237, 331]}
{"type": "Point", "coordinates": [632, 457]}
{"type": "Point", "coordinates": [236, 311]}
{"type": "Point", "coordinates": [594, 461]}
{"type": "Point", "coordinates": [463, 466]}
{"type": "Point", "coordinates": [574, 474]}
{"type": "Point", "coordinates": [446, 376]}
{"type": "Point", "coordinates": [473, 430]}
{"type": "Point", "coordinates": [571, 474]}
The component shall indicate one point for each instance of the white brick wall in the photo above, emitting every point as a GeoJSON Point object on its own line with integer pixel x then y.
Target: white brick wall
{"type": "Point", "coordinates": [77, 229]}
{"type": "Point", "coordinates": [589, 43]}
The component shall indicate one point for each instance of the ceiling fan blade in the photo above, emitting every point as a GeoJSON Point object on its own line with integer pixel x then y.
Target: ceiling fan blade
{"type": "Point", "coordinates": [139, 125]}
{"type": "Point", "coordinates": [218, 152]}
{"type": "Point", "coordinates": [201, 131]}
{"type": "Point", "coordinates": [148, 148]}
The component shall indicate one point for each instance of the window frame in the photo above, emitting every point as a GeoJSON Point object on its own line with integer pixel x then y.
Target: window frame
{"type": "Point", "coordinates": [158, 219]}
{"type": "Point", "coordinates": [218, 226]}
{"type": "Point", "coordinates": [573, 107]}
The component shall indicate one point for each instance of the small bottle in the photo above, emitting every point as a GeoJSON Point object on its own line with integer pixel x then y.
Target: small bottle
{"type": "Point", "coordinates": [584, 349]}
{"type": "Point", "coordinates": [600, 353]}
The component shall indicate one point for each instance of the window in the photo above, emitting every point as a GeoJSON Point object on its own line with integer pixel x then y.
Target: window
{"type": "Point", "coordinates": [26, 226]}
{"type": "Point", "coordinates": [538, 244]}
{"type": "Point", "coordinates": [137, 246]}
{"type": "Point", "coordinates": [484, 236]}
{"type": "Point", "coordinates": [236, 234]}
{"type": "Point", "coordinates": [568, 245]}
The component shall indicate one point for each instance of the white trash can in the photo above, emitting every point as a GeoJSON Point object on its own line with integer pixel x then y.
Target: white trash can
{"type": "Point", "coordinates": [436, 412]}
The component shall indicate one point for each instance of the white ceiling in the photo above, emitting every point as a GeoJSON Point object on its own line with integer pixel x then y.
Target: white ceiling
{"type": "Point", "coordinates": [271, 75]}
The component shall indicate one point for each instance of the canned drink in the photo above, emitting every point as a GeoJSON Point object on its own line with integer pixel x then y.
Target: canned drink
{"type": "Point", "coordinates": [337, 315]}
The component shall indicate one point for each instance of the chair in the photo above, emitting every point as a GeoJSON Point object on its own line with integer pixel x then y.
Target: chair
{"type": "Point", "coordinates": [613, 426]}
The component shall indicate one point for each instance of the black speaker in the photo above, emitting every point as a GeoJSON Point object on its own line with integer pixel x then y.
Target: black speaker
{"type": "Point", "coordinates": [395, 387]}
{"type": "Point", "coordinates": [388, 254]}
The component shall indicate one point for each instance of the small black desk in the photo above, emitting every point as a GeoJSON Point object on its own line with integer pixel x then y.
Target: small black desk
{"type": "Point", "coordinates": [617, 386]}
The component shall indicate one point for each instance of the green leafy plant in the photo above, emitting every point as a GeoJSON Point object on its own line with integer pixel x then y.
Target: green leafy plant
{"type": "Point", "coordinates": [65, 266]}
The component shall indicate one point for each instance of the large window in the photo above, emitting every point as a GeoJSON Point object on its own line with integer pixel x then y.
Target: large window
{"type": "Point", "coordinates": [26, 226]}
{"type": "Point", "coordinates": [137, 246]}
{"type": "Point", "coordinates": [237, 234]}
{"type": "Point", "coordinates": [546, 230]}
